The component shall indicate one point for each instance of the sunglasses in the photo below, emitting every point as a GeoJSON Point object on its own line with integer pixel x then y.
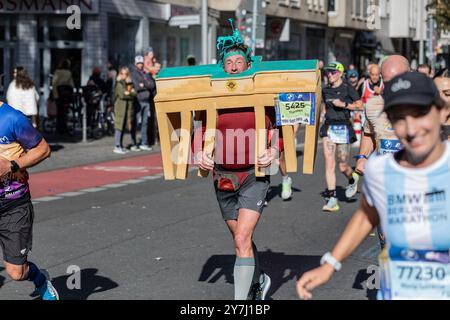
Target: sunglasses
{"type": "Point", "coordinates": [333, 72]}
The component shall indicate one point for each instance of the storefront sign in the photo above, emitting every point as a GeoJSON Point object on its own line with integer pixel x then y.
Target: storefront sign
{"type": "Point", "coordinates": [47, 6]}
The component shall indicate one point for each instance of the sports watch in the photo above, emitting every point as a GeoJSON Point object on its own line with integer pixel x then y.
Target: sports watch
{"type": "Point", "coordinates": [328, 258]}
{"type": "Point", "coordinates": [14, 167]}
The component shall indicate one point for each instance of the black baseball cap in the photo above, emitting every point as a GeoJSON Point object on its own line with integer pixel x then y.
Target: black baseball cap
{"type": "Point", "coordinates": [410, 88]}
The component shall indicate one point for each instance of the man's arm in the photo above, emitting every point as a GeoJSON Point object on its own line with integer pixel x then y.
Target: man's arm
{"type": "Point", "coordinates": [33, 157]}
{"type": "Point", "coordinates": [138, 81]}
{"type": "Point", "coordinates": [357, 105]}
{"type": "Point", "coordinates": [358, 228]}
{"type": "Point", "coordinates": [366, 148]}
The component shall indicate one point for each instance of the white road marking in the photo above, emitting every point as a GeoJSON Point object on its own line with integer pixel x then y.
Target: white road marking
{"type": "Point", "coordinates": [114, 185]}
{"type": "Point", "coordinates": [133, 181]}
{"type": "Point", "coordinates": [150, 178]}
{"type": "Point", "coordinates": [47, 199]}
{"type": "Point", "coordinates": [70, 194]}
{"type": "Point", "coordinates": [93, 189]}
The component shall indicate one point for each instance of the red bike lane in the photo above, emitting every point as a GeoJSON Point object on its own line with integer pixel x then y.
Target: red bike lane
{"type": "Point", "coordinates": [73, 179]}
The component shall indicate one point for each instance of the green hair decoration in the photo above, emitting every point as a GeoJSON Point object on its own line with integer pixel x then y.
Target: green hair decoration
{"type": "Point", "coordinates": [235, 41]}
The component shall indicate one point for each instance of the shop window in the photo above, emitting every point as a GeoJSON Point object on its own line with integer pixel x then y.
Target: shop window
{"type": "Point", "coordinates": [171, 51]}
{"type": "Point", "coordinates": [12, 29]}
{"type": "Point", "coordinates": [290, 50]}
{"type": "Point", "coordinates": [184, 50]}
{"type": "Point", "coordinates": [366, 9]}
{"type": "Point", "coordinates": [58, 31]}
{"type": "Point", "coordinates": [122, 40]}
{"type": "Point", "coordinates": [332, 5]}
{"type": "Point", "coordinates": [295, 3]}
{"type": "Point", "coordinates": [284, 3]}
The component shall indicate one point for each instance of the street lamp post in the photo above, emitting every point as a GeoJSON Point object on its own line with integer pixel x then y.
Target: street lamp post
{"type": "Point", "coordinates": [430, 41]}
{"type": "Point", "coordinates": [204, 31]}
{"type": "Point", "coordinates": [255, 17]}
{"type": "Point", "coordinates": [421, 25]}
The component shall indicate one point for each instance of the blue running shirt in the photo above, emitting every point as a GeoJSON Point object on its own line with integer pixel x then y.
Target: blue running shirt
{"type": "Point", "coordinates": [17, 135]}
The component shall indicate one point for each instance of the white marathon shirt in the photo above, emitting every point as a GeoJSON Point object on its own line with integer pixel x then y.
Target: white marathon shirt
{"type": "Point", "coordinates": [414, 210]}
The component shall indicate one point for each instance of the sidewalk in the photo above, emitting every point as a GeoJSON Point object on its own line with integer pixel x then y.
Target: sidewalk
{"type": "Point", "coordinates": [72, 153]}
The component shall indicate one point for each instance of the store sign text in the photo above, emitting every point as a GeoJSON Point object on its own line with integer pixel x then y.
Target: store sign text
{"type": "Point", "coordinates": [47, 6]}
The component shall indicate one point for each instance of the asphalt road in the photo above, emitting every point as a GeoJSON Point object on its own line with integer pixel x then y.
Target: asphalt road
{"type": "Point", "coordinates": [159, 239]}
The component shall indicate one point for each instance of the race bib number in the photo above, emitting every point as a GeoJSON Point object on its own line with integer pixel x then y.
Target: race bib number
{"type": "Point", "coordinates": [338, 134]}
{"type": "Point", "coordinates": [389, 146]}
{"type": "Point", "coordinates": [296, 108]}
{"type": "Point", "coordinates": [415, 274]}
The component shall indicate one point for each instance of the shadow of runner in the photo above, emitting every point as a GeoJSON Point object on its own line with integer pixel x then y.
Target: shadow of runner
{"type": "Point", "coordinates": [91, 283]}
{"type": "Point", "coordinates": [2, 279]}
{"type": "Point", "coordinates": [361, 282]}
{"type": "Point", "coordinates": [275, 191]}
{"type": "Point", "coordinates": [280, 267]}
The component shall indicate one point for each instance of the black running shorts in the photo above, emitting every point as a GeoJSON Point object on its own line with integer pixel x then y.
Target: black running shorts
{"type": "Point", "coordinates": [16, 233]}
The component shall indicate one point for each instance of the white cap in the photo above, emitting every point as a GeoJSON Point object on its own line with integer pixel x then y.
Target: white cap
{"type": "Point", "coordinates": [138, 59]}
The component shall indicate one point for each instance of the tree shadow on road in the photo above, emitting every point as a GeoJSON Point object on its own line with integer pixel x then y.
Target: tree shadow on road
{"type": "Point", "coordinates": [91, 283]}
{"type": "Point", "coordinates": [280, 267]}
{"type": "Point", "coordinates": [360, 283]}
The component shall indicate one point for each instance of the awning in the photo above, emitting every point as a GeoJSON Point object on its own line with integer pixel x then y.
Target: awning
{"type": "Point", "coordinates": [221, 5]}
{"type": "Point", "coordinates": [386, 44]}
{"type": "Point", "coordinates": [185, 21]}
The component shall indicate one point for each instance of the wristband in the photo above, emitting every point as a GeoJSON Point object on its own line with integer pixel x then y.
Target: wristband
{"type": "Point", "coordinates": [361, 156]}
{"type": "Point", "coordinates": [14, 167]}
{"type": "Point", "coordinates": [328, 258]}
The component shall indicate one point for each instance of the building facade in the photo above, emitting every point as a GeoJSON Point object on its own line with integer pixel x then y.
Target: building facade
{"type": "Point", "coordinates": [34, 33]}
{"type": "Point", "coordinates": [350, 33]}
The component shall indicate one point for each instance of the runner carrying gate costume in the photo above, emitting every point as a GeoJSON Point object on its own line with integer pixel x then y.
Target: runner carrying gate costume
{"type": "Point", "coordinates": [21, 147]}
{"type": "Point", "coordinates": [407, 192]}
{"type": "Point", "coordinates": [239, 192]}
{"type": "Point", "coordinates": [337, 132]}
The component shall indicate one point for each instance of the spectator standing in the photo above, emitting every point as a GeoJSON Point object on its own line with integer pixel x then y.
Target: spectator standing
{"type": "Point", "coordinates": [111, 80]}
{"type": "Point", "coordinates": [191, 60]}
{"type": "Point", "coordinates": [425, 69]}
{"type": "Point", "coordinates": [62, 79]}
{"type": "Point", "coordinates": [22, 95]}
{"type": "Point", "coordinates": [124, 98]}
{"type": "Point", "coordinates": [145, 88]}
{"type": "Point", "coordinates": [152, 67]}
{"type": "Point", "coordinates": [443, 84]}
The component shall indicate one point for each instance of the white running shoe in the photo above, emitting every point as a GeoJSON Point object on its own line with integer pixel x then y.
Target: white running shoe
{"type": "Point", "coordinates": [135, 149]}
{"type": "Point", "coordinates": [352, 189]}
{"type": "Point", "coordinates": [286, 189]}
{"type": "Point", "coordinates": [119, 150]}
{"type": "Point", "coordinates": [145, 148]}
{"type": "Point", "coordinates": [260, 290]}
{"type": "Point", "coordinates": [332, 205]}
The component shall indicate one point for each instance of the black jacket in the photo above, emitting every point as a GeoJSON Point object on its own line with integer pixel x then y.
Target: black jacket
{"type": "Point", "coordinates": [148, 92]}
